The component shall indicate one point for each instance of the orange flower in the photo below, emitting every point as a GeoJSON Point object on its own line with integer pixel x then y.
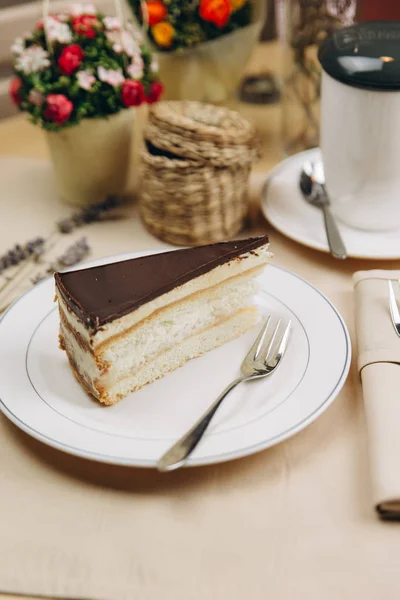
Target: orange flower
{"type": "Point", "coordinates": [215, 11]}
{"type": "Point", "coordinates": [163, 34]}
{"type": "Point", "coordinates": [156, 10]}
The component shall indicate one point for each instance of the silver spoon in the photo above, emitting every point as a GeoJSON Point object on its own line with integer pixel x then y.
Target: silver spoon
{"type": "Point", "coordinates": [312, 185]}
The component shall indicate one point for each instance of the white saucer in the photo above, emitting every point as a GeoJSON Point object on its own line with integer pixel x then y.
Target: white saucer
{"type": "Point", "coordinates": [41, 396]}
{"type": "Point", "coordinates": [285, 208]}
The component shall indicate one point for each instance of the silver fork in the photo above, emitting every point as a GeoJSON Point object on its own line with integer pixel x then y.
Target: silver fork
{"type": "Point", "coordinates": [394, 309]}
{"type": "Point", "coordinates": [262, 360]}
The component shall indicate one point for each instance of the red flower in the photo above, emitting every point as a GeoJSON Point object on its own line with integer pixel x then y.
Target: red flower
{"type": "Point", "coordinates": [70, 59]}
{"type": "Point", "coordinates": [15, 86]}
{"type": "Point", "coordinates": [156, 11]}
{"type": "Point", "coordinates": [156, 90]}
{"type": "Point", "coordinates": [132, 93]}
{"type": "Point", "coordinates": [58, 108]}
{"type": "Point", "coordinates": [215, 11]}
{"type": "Point", "coordinates": [40, 24]}
{"type": "Point", "coordinates": [85, 25]}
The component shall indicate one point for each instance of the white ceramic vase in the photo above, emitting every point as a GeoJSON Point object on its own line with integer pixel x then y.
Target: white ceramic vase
{"type": "Point", "coordinates": [92, 160]}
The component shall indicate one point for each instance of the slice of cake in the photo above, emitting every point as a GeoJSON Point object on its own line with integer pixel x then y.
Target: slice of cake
{"type": "Point", "coordinates": [128, 323]}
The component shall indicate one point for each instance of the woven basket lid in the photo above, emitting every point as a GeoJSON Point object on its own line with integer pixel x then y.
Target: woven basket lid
{"type": "Point", "coordinates": [202, 132]}
{"type": "Point", "coordinates": [204, 121]}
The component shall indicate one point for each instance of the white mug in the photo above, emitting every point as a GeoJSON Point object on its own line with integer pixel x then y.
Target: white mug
{"type": "Point", "coordinates": [360, 125]}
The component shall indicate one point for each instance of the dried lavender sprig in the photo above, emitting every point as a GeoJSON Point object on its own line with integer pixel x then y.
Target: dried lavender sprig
{"type": "Point", "coordinates": [73, 255]}
{"type": "Point", "coordinates": [88, 215]}
{"type": "Point", "coordinates": [34, 257]}
{"type": "Point", "coordinates": [19, 253]}
{"type": "Point", "coordinates": [83, 217]}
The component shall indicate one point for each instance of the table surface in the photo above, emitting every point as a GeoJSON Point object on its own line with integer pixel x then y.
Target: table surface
{"type": "Point", "coordinates": [322, 538]}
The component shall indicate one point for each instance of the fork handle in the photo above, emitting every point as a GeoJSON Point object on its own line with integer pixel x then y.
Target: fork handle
{"type": "Point", "coordinates": [336, 245]}
{"type": "Point", "coordinates": [179, 452]}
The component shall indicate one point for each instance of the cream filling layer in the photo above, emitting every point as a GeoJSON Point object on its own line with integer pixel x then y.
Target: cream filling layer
{"type": "Point", "coordinates": [173, 324]}
{"type": "Point", "coordinates": [178, 355]}
{"type": "Point", "coordinates": [168, 328]}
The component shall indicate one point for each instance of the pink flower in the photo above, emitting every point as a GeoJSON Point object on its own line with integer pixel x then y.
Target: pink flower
{"type": "Point", "coordinates": [40, 24]}
{"type": "Point", "coordinates": [129, 44]}
{"type": "Point", "coordinates": [58, 108]}
{"type": "Point", "coordinates": [123, 42]}
{"type": "Point", "coordinates": [112, 23]}
{"type": "Point", "coordinates": [36, 97]}
{"type": "Point", "coordinates": [32, 60]}
{"type": "Point", "coordinates": [85, 79]}
{"type": "Point", "coordinates": [135, 69]}
{"type": "Point", "coordinates": [111, 76]}
{"type": "Point", "coordinates": [154, 66]}
{"type": "Point", "coordinates": [114, 37]}
{"type": "Point", "coordinates": [57, 31]}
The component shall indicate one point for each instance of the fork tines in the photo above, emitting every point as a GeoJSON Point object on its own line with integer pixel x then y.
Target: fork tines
{"type": "Point", "coordinates": [270, 344]}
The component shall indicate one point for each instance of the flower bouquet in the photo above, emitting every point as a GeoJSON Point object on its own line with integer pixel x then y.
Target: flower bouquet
{"type": "Point", "coordinates": [202, 45]}
{"type": "Point", "coordinates": [79, 75]}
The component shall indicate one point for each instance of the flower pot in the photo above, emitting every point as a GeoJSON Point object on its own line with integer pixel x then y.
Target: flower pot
{"type": "Point", "coordinates": [92, 160]}
{"type": "Point", "coordinates": [209, 72]}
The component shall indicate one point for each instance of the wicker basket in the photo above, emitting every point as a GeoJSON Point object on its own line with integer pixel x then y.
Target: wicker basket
{"type": "Point", "coordinates": [196, 166]}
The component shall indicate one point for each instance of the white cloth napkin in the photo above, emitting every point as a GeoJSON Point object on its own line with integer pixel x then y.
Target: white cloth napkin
{"type": "Point", "coordinates": [379, 365]}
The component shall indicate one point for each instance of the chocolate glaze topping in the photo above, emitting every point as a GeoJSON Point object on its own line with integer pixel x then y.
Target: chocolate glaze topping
{"type": "Point", "coordinates": [99, 295]}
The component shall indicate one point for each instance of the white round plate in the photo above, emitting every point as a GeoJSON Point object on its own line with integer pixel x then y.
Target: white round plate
{"type": "Point", "coordinates": [285, 208]}
{"type": "Point", "coordinates": [40, 395]}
